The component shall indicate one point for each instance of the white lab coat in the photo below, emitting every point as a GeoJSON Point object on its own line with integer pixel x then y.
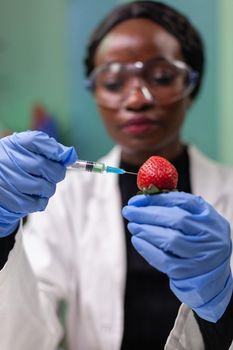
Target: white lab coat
{"type": "Point", "coordinates": [76, 250]}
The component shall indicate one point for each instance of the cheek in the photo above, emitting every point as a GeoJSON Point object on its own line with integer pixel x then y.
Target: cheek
{"type": "Point", "coordinates": [109, 120]}
{"type": "Point", "coordinates": [106, 116]}
{"type": "Point", "coordinates": [176, 114]}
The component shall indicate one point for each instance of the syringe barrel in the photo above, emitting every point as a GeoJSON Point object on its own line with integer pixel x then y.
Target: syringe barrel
{"type": "Point", "coordinates": [84, 165]}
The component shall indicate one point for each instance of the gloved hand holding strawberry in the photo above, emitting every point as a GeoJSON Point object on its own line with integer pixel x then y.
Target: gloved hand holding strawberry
{"type": "Point", "coordinates": [183, 236]}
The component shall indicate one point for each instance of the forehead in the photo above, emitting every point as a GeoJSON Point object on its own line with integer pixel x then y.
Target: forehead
{"type": "Point", "coordinates": [137, 40]}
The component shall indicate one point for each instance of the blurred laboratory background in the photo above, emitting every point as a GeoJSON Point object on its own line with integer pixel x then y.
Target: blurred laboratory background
{"type": "Point", "coordinates": [42, 46]}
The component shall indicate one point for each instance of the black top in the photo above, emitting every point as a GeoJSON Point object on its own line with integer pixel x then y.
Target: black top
{"type": "Point", "coordinates": [6, 244]}
{"type": "Point", "coordinates": [150, 305]}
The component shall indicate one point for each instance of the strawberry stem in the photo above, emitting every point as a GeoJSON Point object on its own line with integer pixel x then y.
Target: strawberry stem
{"type": "Point", "coordinates": [154, 190]}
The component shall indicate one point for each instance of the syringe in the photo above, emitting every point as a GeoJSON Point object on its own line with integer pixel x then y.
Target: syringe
{"type": "Point", "coordinates": [97, 167]}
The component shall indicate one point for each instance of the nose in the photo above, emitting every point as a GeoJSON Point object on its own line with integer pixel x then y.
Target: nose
{"type": "Point", "coordinates": [138, 97]}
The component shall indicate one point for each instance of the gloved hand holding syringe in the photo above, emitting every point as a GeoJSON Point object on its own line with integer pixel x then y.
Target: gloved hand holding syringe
{"type": "Point", "coordinates": [97, 167]}
{"type": "Point", "coordinates": [32, 163]}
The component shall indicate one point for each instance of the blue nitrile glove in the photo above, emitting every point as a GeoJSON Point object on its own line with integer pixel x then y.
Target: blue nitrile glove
{"type": "Point", "coordinates": [31, 163]}
{"type": "Point", "coordinates": [183, 236]}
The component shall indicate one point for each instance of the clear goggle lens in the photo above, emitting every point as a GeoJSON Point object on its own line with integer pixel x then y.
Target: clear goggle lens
{"type": "Point", "coordinates": [159, 80]}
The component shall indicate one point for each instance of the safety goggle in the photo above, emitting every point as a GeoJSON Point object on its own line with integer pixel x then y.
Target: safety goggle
{"type": "Point", "coordinates": [159, 80]}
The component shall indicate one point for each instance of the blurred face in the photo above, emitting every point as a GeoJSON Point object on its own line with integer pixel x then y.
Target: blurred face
{"type": "Point", "coordinates": [137, 122]}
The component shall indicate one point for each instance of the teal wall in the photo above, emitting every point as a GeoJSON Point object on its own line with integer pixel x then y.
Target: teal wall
{"type": "Point", "coordinates": [33, 60]}
{"type": "Point", "coordinates": [42, 45]}
{"type": "Point", "coordinates": [225, 90]}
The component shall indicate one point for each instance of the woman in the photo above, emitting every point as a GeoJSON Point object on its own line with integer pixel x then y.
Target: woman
{"type": "Point", "coordinates": [144, 66]}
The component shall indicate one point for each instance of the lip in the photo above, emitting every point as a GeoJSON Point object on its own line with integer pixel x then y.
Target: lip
{"type": "Point", "coordinates": [139, 125]}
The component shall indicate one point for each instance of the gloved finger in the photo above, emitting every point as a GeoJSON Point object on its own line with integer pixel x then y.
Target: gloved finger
{"type": "Point", "coordinates": [30, 185]}
{"type": "Point", "coordinates": [50, 170]}
{"type": "Point", "coordinates": [31, 203]}
{"type": "Point", "coordinates": [154, 256]}
{"type": "Point", "coordinates": [24, 162]}
{"type": "Point", "coordinates": [7, 228]}
{"type": "Point", "coordinates": [43, 167]}
{"type": "Point", "coordinates": [40, 143]}
{"type": "Point", "coordinates": [186, 201]}
{"type": "Point", "coordinates": [6, 217]}
{"type": "Point", "coordinates": [13, 200]}
{"type": "Point", "coordinates": [23, 182]}
{"type": "Point", "coordinates": [169, 217]}
{"type": "Point", "coordinates": [174, 266]}
{"type": "Point", "coordinates": [176, 244]}
{"type": "Point", "coordinates": [170, 241]}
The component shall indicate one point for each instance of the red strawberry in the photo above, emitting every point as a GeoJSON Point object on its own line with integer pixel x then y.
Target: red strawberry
{"type": "Point", "coordinates": [157, 174]}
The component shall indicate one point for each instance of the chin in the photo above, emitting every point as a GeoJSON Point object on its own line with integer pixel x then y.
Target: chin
{"type": "Point", "coordinates": [148, 147]}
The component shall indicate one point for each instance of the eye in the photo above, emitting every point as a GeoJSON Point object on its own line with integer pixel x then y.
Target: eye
{"type": "Point", "coordinates": [161, 73]}
{"type": "Point", "coordinates": [110, 81]}
{"type": "Point", "coordinates": [163, 77]}
{"type": "Point", "coordinates": [112, 85]}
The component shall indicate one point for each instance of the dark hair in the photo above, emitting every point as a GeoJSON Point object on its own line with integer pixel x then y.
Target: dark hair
{"type": "Point", "coordinates": [167, 17]}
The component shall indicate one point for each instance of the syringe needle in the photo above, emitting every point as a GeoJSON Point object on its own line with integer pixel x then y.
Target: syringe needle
{"type": "Point", "coordinates": [119, 171]}
{"type": "Point", "coordinates": [130, 172]}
